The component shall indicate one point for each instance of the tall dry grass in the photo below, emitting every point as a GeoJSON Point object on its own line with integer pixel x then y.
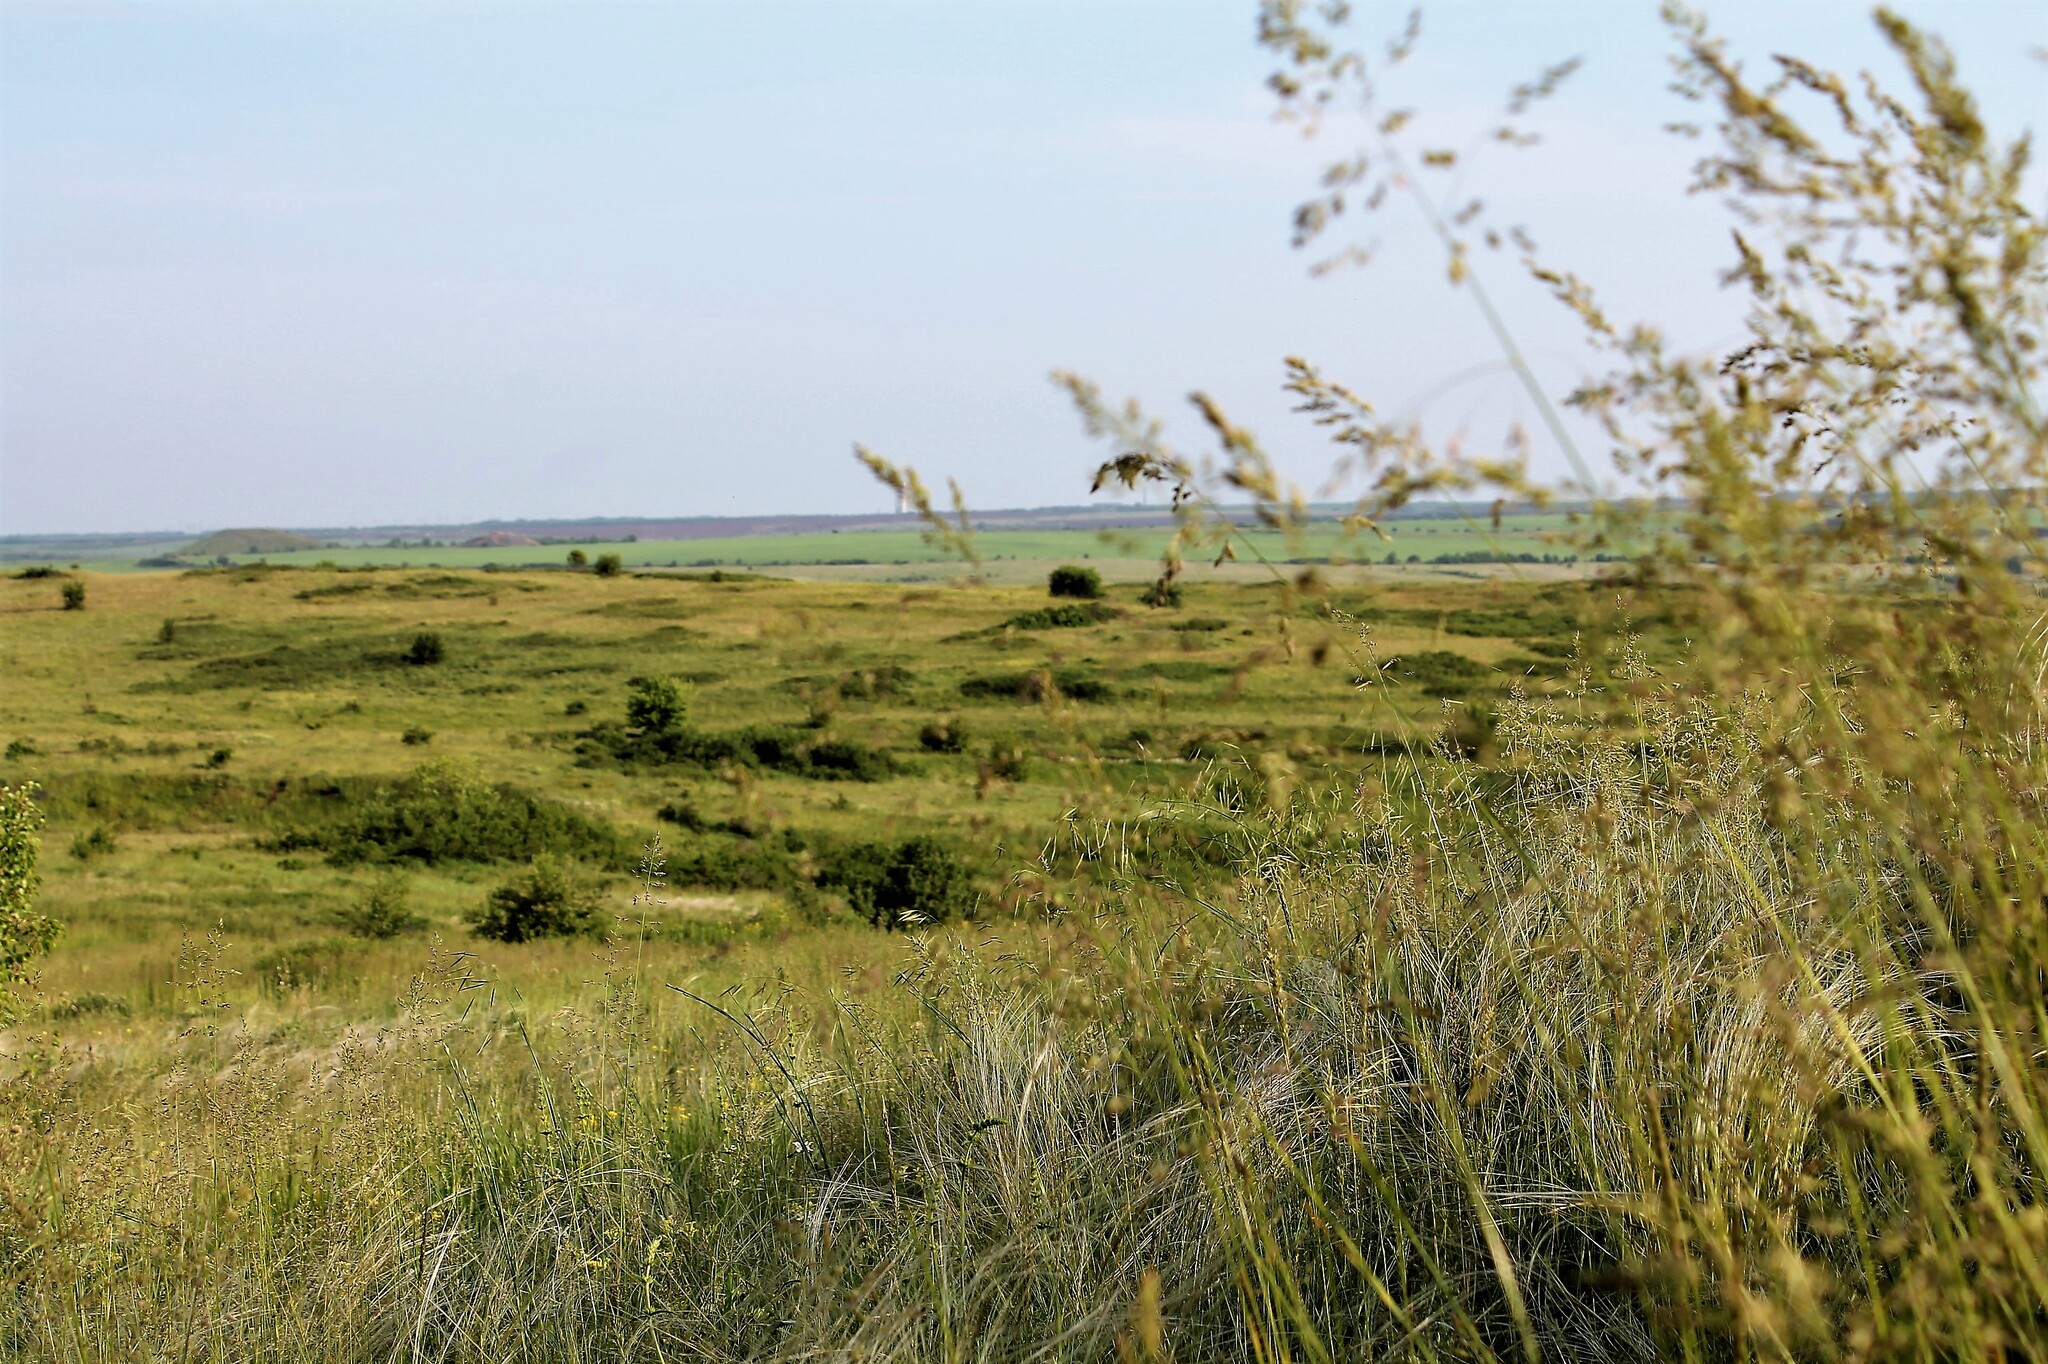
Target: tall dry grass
{"type": "Point", "coordinates": [1703, 1020]}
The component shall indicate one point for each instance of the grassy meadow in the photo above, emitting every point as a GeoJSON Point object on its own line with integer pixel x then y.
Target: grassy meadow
{"type": "Point", "coordinates": [1487, 963]}
{"type": "Point", "coordinates": [297, 677]}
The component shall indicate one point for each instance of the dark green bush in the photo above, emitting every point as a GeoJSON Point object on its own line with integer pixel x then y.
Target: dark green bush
{"type": "Point", "coordinates": [547, 900]}
{"type": "Point", "coordinates": [1007, 759]}
{"type": "Point", "coordinates": [918, 881]}
{"type": "Point", "coordinates": [1439, 672]}
{"type": "Point", "coordinates": [445, 811]}
{"type": "Point", "coordinates": [1037, 685]}
{"type": "Point", "coordinates": [426, 650]}
{"type": "Point", "coordinates": [41, 571]}
{"type": "Point", "coordinates": [1069, 580]}
{"type": "Point", "coordinates": [609, 565]}
{"type": "Point", "coordinates": [577, 558]}
{"type": "Point", "coordinates": [777, 748]}
{"type": "Point", "coordinates": [74, 596]}
{"type": "Point", "coordinates": [416, 735]}
{"type": "Point", "coordinates": [940, 736]}
{"type": "Point", "coordinates": [1065, 617]}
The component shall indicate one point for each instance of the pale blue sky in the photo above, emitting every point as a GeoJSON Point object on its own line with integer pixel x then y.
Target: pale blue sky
{"type": "Point", "coordinates": [295, 264]}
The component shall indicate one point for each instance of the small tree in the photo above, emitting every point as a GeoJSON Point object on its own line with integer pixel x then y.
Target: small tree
{"type": "Point", "coordinates": [577, 558]}
{"type": "Point", "coordinates": [425, 651]}
{"type": "Point", "coordinates": [657, 705]}
{"type": "Point", "coordinates": [383, 912]}
{"type": "Point", "coordinates": [74, 596]}
{"type": "Point", "coordinates": [545, 901]}
{"type": "Point", "coordinates": [1071, 580]}
{"type": "Point", "coordinates": [24, 934]}
{"type": "Point", "coordinates": [609, 565]}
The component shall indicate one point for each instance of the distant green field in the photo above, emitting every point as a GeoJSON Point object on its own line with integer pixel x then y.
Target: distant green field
{"type": "Point", "coordinates": [1418, 540]}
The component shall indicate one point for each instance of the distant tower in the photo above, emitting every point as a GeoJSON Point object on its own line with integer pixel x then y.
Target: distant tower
{"type": "Point", "coordinates": [902, 506]}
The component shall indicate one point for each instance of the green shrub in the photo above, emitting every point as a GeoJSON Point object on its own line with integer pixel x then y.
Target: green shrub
{"type": "Point", "coordinates": [1066, 617]}
{"type": "Point", "coordinates": [416, 735]}
{"type": "Point", "coordinates": [220, 757]}
{"type": "Point", "coordinates": [777, 748]}
{"type": "Point", "coordinates": [24, 934]}
{"type": "Point", "coordinates": [22, 748]}
{"type": "Point", "coordinates": [1439, 672]}
{"type": "Point", "coordinates": [1162, 594]}
{"type": "Point", "coordinates": [167, 633]}
{"type": "Point", "coordinates": [383, 911]}
{"type": "Point", "coordinates": [426, 650]}
{"type": "Point", "coordinates": [90, 1004]}
{"type": "Point", "coordinates": [656, 705]}
{"type": "Point", "coordinates": [1069, 580]}
{"type": "Point", "coordinates": [682, 812]}
{"type": "Point", "coordinates": [445, 811]}
{"type": "Point", "coordinates": [940, 736]}
{"type": "Point", "coordinates": [914, 883]}
{"type": "Point", "coordinates": [40, 571]}
{"type": "Point", "coordinates": [302, 966]}
{"type": "Point", "coordinates": [547, 900]}
{"type": "Point", "coordinates": [74, 596]}
{"type": "Point", "coordinates": [1037, 685]}
{"type": "Point", "coordinates": [1007, 759]}
{"type": "Point", "coordinates": [577, 558]}
{"type": "Point", "coordinates": [609, 565]}
{"type": "Point", "coordinates": [98, 843]}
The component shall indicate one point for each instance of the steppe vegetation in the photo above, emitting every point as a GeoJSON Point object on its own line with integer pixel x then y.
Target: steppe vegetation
{"type": "Point", "coordinates": [1629, 969]}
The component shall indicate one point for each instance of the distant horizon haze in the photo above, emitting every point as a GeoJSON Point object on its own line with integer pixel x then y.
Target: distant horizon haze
{"type": "Point", "coordinates": [362, 264]}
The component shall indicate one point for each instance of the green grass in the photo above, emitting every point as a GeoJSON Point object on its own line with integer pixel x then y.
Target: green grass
{"type": "Point", "coordinates": [302, 676]}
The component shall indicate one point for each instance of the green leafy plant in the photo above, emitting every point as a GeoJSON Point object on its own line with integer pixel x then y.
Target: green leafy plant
{"type": "Point", "coordinates": [578, 558]}
{"type": "Point", "coordinates": [547, 900]}
{"type": "Point", "coordinates": [1069, 580]}
{"type": "Point", "coordinates": [96, 843]}
{"type": "Point", "coordinates": [74, 596]}
{"type": "Point", "coordinates": [916, 883]}
{"type": "Point", "coordinates": [941, 736]}
{"type": "Point", "coordinates": [425, 650]}
{"type": "Point", "coordinates": [24, 933]}
{"type": "Point", "coordinates": [383, 911]}
{"type": "Point", "coordinates": [657, 705]}
{"type": "Point", "coordinates": [609, 565]}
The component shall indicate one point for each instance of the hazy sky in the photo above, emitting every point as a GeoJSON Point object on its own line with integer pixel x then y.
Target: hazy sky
{"type": "Point", "coordinates": [296, 264]}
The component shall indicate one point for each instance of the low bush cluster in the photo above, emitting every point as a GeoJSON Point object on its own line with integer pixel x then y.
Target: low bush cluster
{"type": "Point", "coordinates": [1066, 617]}
{"type": "Point", "coordinates": [1039, 684]}
{"type": "Point", "coordinates": [445, 811]}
